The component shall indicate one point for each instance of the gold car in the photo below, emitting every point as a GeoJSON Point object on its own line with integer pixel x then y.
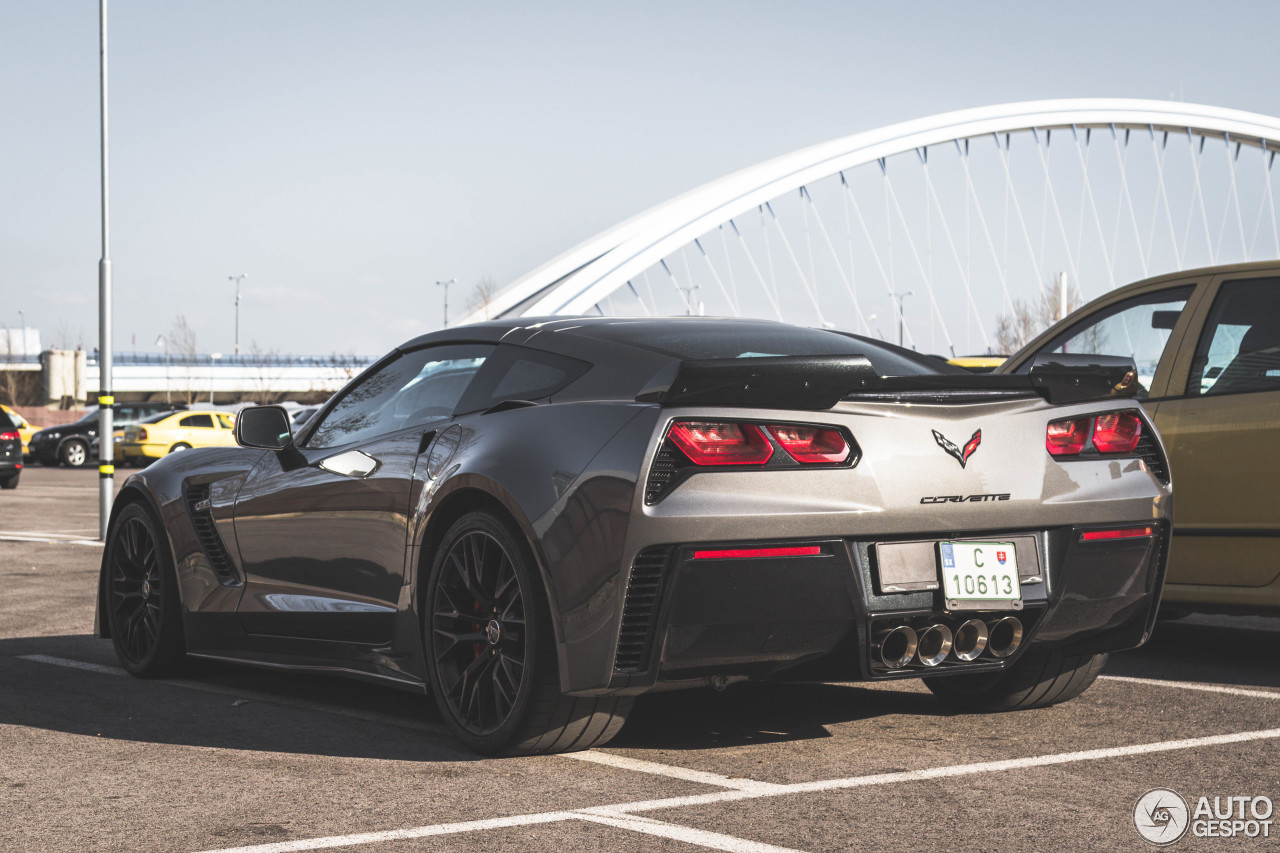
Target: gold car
{"type": "Point", "coordinates": [170, 433]}
{"type": "Point", "coordinates": [1207, 347]}
{"type": "Point", "coordinates": [25, 429]}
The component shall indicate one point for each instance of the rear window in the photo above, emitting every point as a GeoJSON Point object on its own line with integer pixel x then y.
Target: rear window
{"type": "Point", "coordinates": [517, 373]}
{"type": "Point", "coordinates": [698, 341]}
{"type": "Point", "coordinates": [6, 422]}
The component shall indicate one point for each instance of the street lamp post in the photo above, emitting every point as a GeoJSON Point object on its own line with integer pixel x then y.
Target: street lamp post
{"type": "Point", "coordinates": [901, 297]}
{"type": "Point", "coordinates": [445, 285]}
{"type": "Point", "coordinates": [237, 279]}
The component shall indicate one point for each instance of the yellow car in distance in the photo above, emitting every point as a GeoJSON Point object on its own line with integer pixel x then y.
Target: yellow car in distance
{"type": "Point", "coordinates": [978, 363]}
{"type": "Point", "coordinates": [25, 429]}
{"type": "Point", "coordinates": [148, 441]}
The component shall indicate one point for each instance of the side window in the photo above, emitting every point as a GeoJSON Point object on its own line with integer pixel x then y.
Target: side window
{"type": "Point", "coordinates": [417, 388]}
{"type": "Point", "coordinates": [225, 421]}
{"type": "Point", "coordinates": [1136, 328]}
{"type": "Point", "coordinates": [519, 373]}
{"type": "Point", "coordinates": [1239, 349]}
{"type": "Point", "coordinates": [197, 421]}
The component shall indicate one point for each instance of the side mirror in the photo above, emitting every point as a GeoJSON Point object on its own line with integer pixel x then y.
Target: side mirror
{"type": "Point", "coordinates": [264, 427]}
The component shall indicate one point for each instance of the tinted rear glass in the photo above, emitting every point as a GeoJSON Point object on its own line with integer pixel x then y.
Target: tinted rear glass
{"type": "Point", "coordinates": [699, 341]}
{"type": "Point", "coordinates": [6, 422]}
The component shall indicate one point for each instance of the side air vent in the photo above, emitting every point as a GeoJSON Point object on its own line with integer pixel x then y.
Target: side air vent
{"type": "Point", "coordinates": [1150, 453]}
{"type": "Point", "coordinates": [663, 475]}
{"type": "Point", "coordinates": [198, 507]}
{"type": "Point", "coordinates": [640, 612]}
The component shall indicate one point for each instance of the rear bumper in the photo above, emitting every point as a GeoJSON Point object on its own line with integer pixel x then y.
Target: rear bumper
{"type": "Point", "coordinates": [823, 616]}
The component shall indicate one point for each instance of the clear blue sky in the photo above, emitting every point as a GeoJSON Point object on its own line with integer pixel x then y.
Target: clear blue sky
{"type": "Point", "coordinates": [346, 155]}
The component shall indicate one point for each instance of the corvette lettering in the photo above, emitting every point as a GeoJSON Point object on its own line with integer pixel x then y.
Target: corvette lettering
{"type": "Point", "coordinates": [964, 499]}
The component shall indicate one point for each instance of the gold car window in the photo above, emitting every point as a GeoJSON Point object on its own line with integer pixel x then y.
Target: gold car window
{"type": "Point", "coordinates": [197, 421]}
{"type": "Point", "coordinates": [1137, 328]}
{"type": "Point", "coordinates": [1239, 350]}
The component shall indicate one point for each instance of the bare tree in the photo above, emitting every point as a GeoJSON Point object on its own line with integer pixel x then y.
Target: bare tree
{"type": "Point", "coordinates": [182, 347]}
{"type": "Point", "coordinates": [482, 293]}
{"type": "Point", "coordinates": [265, 375]}
{"type": "Point", "coordinates": [1016, 330]}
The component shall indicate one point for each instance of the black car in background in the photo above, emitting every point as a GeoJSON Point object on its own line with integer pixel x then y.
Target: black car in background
{"type": "Point", "coordinates": [10, 452]}
{"type": "Point", "coordinates": [72, 444]}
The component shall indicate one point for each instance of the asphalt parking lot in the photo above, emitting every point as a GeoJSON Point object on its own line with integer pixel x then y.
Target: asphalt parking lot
{"type": "Point", "coordinates": [237, 759]}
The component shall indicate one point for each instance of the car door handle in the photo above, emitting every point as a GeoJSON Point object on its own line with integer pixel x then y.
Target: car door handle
{"type": "Point", "coordinates": [353, 463]}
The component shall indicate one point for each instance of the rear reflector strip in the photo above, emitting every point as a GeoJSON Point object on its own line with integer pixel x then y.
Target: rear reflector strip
{"type": "Point", "coordinates": [742, 553]}
{"type": "Point", "coordinates": [1122, 533]}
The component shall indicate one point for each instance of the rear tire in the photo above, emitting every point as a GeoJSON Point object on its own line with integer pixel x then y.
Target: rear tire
{"type": "Point", "coordinates": [10, 482]}
{"type": "Point", "coordinates": [179, 447]}
{"type": "Point", "coordinates": [1037, 680]}
{"type": "Point", "coordinates": [141, 596]}
{"type": "Point", "coordinates": [491, 652]}
{"type": "Point", "coordinates": [74, 454]}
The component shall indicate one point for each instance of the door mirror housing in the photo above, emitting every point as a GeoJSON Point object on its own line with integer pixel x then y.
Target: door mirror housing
{"type": "Point", "coordinates": [264, 427]}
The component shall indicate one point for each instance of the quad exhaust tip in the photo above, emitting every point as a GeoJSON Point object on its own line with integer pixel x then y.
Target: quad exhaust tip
{"type": "Point", "coordinates": [1004, 637]}
{"type": "Point", "coordinates": [898, 647]}
{"type": "Point", "coordinates": [934, 645]}
{"type": "Point", "coordinates": [970, 640]}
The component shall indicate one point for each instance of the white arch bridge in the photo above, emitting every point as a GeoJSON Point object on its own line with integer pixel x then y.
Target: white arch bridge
{"type": "Point", "coordinates": [972, 214]}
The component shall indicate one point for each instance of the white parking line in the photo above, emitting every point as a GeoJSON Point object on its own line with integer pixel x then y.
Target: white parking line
{"type": "Point", "coordinates": [611, 813]}
{"type": "Point", "coordinates": [623, 763]}
{"type": "Point", "coordinates": [47, 539]}
{"type": "Point", "coordinates": [687, 834]}
{"type": "Point", "coordinates": [1192, 685]}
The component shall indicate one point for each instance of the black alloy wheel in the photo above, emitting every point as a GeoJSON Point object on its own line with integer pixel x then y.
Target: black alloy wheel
{"type": "Point", "coordinates": [480, 648]}
{"type": "Point", "coordinates": [141, 596]}
{"type": "Point", "coordinates": [491, 651]}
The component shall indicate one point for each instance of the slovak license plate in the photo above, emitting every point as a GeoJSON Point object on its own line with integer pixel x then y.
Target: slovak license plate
{"type": "Point", "coordinates": [979, 575]}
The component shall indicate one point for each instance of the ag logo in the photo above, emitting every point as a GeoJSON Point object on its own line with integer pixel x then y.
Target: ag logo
{"type": "Point", "coordinates": [961, 456]}
{"type": "Point", "coordinates": [1161, 816]}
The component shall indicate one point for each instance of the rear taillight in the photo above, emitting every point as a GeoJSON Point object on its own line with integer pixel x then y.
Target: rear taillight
{"type": "Point", "coordinates": [9, 436]}
{"type": "Point", "coordinates": [1067, 438]}
{"type": "Point", "coordinates": [142, 434]}
{"type": "Point", "coordinates": [1114, 432]}
{"type": "Point", "coordinates": [1117, 432]}
{"type": "Point", "coordinates": [717, 443]}
{"type": "Point", "coordinates": [811, 444]}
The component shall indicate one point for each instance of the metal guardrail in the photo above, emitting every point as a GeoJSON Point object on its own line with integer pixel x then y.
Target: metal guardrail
{"type": "Point", "coordinates": [204, 360]}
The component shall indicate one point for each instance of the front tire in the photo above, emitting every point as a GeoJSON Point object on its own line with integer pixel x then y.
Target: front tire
{"type": "Point", "coordinates": [1037, 680]}
{"type": "Point", "coordinates": [141, 592]}
{"type": "Point", "coordinates": [74, 454]}
{"type": "Point", "coordinates": [491, 651]}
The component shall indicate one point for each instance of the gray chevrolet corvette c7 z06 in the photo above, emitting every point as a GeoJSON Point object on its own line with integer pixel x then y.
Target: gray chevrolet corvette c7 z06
{"type": "Point", "coordinates": [539, 520]}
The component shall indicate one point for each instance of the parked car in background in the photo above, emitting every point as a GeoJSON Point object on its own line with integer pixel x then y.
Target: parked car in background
{"type": "Point", "coordinates": [1206, 344]}
{"type": "Point", "coordinates": [978, 363]}
{"type": "Point", "coordinates": [10, 451]}
{"type": "Point", "coordinates": [73, 444]}
{"type": "Point", "coordinates": [301, 416]}
{"type": "Point", "coordinates": [174, 432]}
{"type": "Point", "coordinates": [25, 429]}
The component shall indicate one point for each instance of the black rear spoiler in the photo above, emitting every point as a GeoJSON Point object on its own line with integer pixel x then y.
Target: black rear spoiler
{"type": "Point", "coordinates": [817, 383]}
